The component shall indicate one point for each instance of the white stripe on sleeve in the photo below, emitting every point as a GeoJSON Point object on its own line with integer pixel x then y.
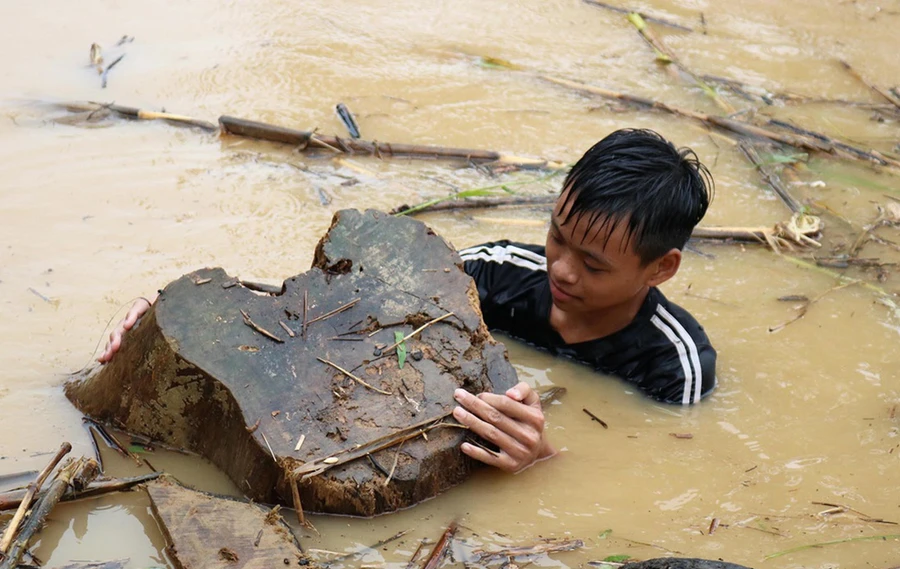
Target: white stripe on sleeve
{"type": "Point", "coordinates": [682, 355]}
{"type": "Point", "coordinates": [691, 346]}
{"type": "Point", "coordinates": [508, 254]}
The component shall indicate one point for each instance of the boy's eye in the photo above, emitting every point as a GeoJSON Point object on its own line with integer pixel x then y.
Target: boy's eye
{"type": "Point", "coordinates": [594, 270]}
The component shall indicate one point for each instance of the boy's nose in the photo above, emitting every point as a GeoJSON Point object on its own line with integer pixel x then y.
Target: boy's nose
{"type": "Point", "coordinates": [563, 271]}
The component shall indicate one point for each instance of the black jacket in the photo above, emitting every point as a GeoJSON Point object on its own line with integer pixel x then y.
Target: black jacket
{"type": "Point", "coordinates": [663, 351]}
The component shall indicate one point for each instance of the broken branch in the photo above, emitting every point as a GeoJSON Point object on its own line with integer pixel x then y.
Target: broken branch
{"type": "Point", "coordinates": [33, 489]}
{"type": "Point", "coordinates": [302, 139]}
{"type": "Point", "coordinates": [82, 469]}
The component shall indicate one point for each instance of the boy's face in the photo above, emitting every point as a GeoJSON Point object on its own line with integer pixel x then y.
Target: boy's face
{"type": "Point", "coordinates": [590, 273]}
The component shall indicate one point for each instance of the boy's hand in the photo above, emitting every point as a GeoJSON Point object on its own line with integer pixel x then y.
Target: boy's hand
{"type": "Point", "coordinates": [512, 421]}
{"type": "Point", "coordinates": [138, 309]}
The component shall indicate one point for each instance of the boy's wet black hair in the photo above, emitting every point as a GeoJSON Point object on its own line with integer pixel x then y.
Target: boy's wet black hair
{"type": "Point", "coordinates": [637, 177]}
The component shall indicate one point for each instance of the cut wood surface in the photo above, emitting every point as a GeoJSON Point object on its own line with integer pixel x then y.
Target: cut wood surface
{"type": "Point", "coordinates": [195, 375]}
{"type": "Point", "coordinates": [212, 532]}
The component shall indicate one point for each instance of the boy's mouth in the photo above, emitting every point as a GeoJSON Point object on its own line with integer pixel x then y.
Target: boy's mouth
{"type": "Point", "coordinates": [559, 294]}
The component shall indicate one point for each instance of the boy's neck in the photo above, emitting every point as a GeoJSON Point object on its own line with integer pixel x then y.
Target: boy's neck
{"type": "Point", "coordinates": [578, 327]}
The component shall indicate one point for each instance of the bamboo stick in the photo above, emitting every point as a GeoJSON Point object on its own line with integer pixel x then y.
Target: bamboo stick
{"type": "Point", "coordinates": [10, 500]}
{"type": "Point", "coordinates": [140, 114]}
{"type": "Point", "coordinates": [770, 177]}
{"type": "Point", "coordinates": [77, 469]}
{"type": "Point", "coordinates": [884, 93]}
{"type": "Point", "coordinates": [33, 489]}
{"type": "Point", "coordinates": [841, 148]}
{"type": "Point", "coordinates": [661, 48]}
{"type": "Point", "coordinates": [304, 139]}
{"type": "Point", "coordinates": [725, 123]}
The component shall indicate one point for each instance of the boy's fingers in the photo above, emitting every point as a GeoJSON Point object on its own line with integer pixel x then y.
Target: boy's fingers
{"type": "Point", "coordinates": [487, 431]}
{"type": "Point", "coordinates": [532, 416]}
{"type": "Point", "coordinates": [498, 460]}
{"type": "Point", "coordinates": [495, 417]}
{"type": "Point", "coordinates": [524, 393]}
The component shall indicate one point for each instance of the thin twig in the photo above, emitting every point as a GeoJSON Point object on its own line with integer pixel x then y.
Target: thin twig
{"type": "Point", "coordinates": [335, 311]}
{"type": "Point", "coordinates": [259, 328]}
{"type": "Point", "coordinates": [596, 418]}
{"type": "Point", "coordinates": [269, 446]}
{"type": "Point", "coordinates": [363, 550]}
{"type": "Point", "coordinates": [286, 328]}
{"type": "Point", "coordinates": [626, 11]}
{"type": "Point", "coordinates": [417, 331]}
{"type": "Point", "coordinates": [884, 93]}
{"type": "Point", "coordinates": [441, 548]}
{"type": "Point", "coordinates": [835, 542]}
{"type": "Point", "coordinates": [305, 310]}
{"type": "Point", "coordinates": [394, 466]}
{"type": "Point", "coordinates": [353, 377]}
{"type": "Point", "coordinates": [343, 456]}
{"type": "Point", "coordinates": [415, 555]}
{"type": "Point", "coordinates": [295, 494]}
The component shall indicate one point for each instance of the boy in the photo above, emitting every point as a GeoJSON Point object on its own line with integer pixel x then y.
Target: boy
{"type": "Point", "coordinates": [626, 210]}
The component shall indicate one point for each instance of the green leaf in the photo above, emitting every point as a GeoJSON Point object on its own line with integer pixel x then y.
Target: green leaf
{"type": "Point", "coordinates": [137, 449]}
{"type": "Point", "coordinates": [401, 349]}
{"type": "Point", "coordinates": [605, 534]}
{"type": "Point", "coordinates": [617, 558]}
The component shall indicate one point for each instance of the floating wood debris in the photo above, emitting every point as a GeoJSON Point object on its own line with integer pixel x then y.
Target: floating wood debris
{"type": "Point", "coordinates": [140, 114]}
{"type": "Point", "coordinates": [596, 418]}
{"type": "Point", "coordinates": [28, 499]}
{"type": "Point", "coordinates": [541, 548]}
{"type": "Point", "coordinates": [81, 470]}
{"type": "Point", "coordinates": [441, 547]}
{"type": "Point", "coordinates": [308, 140]}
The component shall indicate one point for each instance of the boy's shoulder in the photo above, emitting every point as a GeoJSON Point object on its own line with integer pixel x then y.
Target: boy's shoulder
{"type": "Point", "coordinates": [664, 351]}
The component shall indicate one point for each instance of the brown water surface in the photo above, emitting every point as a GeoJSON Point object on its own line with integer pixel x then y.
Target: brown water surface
{"type": "Point", "coordinates": [91, 218]}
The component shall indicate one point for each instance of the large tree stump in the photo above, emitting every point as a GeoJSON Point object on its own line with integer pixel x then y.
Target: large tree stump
{"type": "Point", "coordinates": [195, 375]}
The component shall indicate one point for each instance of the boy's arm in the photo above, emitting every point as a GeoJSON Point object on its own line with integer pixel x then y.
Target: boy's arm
{"type": "Point", "coordinates": [681, 378]}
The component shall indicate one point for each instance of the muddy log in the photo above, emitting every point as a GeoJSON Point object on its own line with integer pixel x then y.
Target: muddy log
{"type": "Point", "coordinates": [212, 369]}
{"type": "Point", "coordinates": [209, 532]}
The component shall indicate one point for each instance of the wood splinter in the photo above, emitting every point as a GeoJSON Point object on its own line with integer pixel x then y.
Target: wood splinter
{"type": "Point", "coordinates": [249, 322]}
{"type": "Point", "coordinates": [596, 418]}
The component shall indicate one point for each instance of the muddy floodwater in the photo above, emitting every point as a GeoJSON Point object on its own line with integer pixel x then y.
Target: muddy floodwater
{"type": "Point", "coordinates": [96, 213]}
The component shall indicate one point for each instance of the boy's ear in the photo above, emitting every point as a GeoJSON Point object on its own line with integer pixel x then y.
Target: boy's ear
{"type": "Point", "coordinates": [664, 268]}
